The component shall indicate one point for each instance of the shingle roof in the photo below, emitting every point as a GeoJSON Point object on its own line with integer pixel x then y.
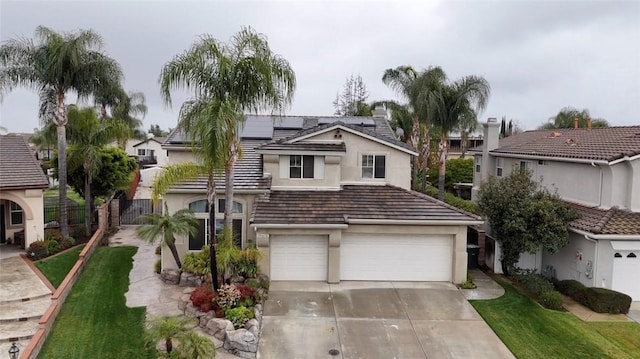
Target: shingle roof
{"type": "Point", "coordinates": [605, 144]}
{"type": "Point", "coordinates": [353, 201]}
{"type": "Point", "coordinates": [248, 172]}
{"type": "Point", "coordinates": [612, 221]}
{"type": "Point", "coordinates": [18, 166]}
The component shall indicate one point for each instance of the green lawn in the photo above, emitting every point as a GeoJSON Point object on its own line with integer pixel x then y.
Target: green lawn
{"type": "Point", "coordinates": [71, 194]}
{"type": "Point", "coordinates": [94, 321]}
{"type": "Point", "coordinates": [531, 331]}
{"type": "Point", "coordinates": [56, 268]}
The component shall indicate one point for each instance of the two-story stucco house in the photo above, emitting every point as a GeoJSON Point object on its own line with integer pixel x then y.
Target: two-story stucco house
{"type": "Point", "coordinates": [596, 171]}
{"type": "Point", "coordinates": [329, 199]}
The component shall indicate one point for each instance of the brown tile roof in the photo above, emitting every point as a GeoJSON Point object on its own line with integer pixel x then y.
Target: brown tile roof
{"type": "Point", "coordinates": [613, 221]}
{"type": "Point", "coordinates": [306, 146]}
{"type": "Point", "coordinates": [18, 166]}
{"type": "Point", "coordinates": [248, 172]}
{"type": "Point", "coordinates": [605, 144]}
{"type": "Point", "coordinates": [354, 201]}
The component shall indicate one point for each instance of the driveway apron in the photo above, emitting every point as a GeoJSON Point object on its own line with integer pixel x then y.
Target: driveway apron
{"type": "Point", "coordinates": [374, 320]}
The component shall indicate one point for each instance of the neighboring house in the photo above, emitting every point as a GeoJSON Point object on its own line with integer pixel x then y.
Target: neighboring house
{"type": "Point", "coordinates": [329, 199]}
{"type": "Point", "coordinates": [596, 171]}
{"type": "Point", "coordinates": [22, 182]}
{"type": "Point", "coordinates": [149, 152]}
{"type": "Point", "coordinates": [455, 144]}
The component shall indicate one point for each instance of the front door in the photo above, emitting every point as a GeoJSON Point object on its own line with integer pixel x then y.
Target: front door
{"type": "Point", "coordinates": [3, 234]}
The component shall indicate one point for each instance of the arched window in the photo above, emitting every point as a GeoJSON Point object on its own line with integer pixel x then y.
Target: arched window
{"type": "Point", "coordinates": [199, 206]}
{"type": "Point", "coordinates": [201, 209]}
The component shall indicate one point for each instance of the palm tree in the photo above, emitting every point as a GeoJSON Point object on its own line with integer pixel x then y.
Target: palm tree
{"type": "Point", "coordinates": [196, 346]}
{"type": "Point", "coordinates": [44, 138]}
{"type": "Point", "coordinates": [168, 329]}
{"type": "Point", "coordinates": [87, 137]}
{"type": "Point", "coordinates": [467, 126]}
{"type": "Point", "coordinates": [566, 116]}
{"type": "Point", "coordinates": [165, 227]}
{"type": "Point", "coordinates": [227, 79]}
{"type": "Point", "coordinates": [131, 109]}
{"type": "Point", "coordinates": [53, 65]}
{"type": "Point", "coordinates": [415, 87]}
{"type": "Point", "coordinates": [452, 105]}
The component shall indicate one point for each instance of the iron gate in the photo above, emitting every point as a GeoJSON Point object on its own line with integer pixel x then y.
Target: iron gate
{"type": "Point", "coordinates": [132, 211]}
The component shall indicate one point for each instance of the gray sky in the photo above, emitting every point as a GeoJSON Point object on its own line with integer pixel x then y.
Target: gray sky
{"type": "Point", "coordinates": [537, 56]}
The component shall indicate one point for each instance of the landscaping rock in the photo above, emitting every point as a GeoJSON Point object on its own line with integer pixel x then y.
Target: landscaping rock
{"type": "Point", "coordinates": [237, 280]}
{"type": "Point", "coordinates": [184, 300]}
{"type": "Point", "coordinates": [218, 327]}
{"type": "Point", "coordinates": [257, 312]}
{"type": "Point", "coordinates": [190, 280]}
{"type": "Point", "coordinates": [171, 276]}
{"type": "Point", "coordinates": [190, 310]}
{"type": "Point", "coordinates": [204, 320]}
{"type": "Point", "coordinates": [241, 340]}
{"type": "Point", "coordinates": [253, 326]}
{"type": "Point", "coordinates": [188, 290]}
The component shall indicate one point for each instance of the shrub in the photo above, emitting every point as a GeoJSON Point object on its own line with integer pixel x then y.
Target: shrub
{"type": "Point", "coordinates": [54, 234]}
{"type": "Point", "coordinates": [78, 232]}
{"type": "Point", "coordinates": [228, 296]}
{"type": "Point", "coordinates": [157, 267]}
{"type": "Point", "coordinates": [602, 300]}
{"type": "Point", "coordinates": [239, 316]}
{"type": "Point", "coordinates": [202, 297]}
{"type": "Point", "coordinates": [551, 300]}
{"type": "Point", "coordinates": [572, 288]}
{"type": "Point", "coordinates": [535, 284]}
{"type": "Point", "coordinates": [38, 249]}
{"type": "Point", "coordinates": [246, 295]}
{"type": "Point", "coordinates": [52, 246]}
{"type": "Point", "coordinates": [67, 242]}
{"type": "Point", "coordinates": [247, 262]}
{"type": "Point", "coordinates": [197, 263]}
{"type": "Point", "coordinates": [468, 284]}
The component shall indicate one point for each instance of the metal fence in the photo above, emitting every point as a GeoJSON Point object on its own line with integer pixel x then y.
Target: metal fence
{"type": "Point", "coordinates": [75, 215]}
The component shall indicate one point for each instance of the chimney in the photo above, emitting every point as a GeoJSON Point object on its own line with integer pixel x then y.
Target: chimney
{"type": "Point", "coordinates": [576, 121]}
{"type": "Point", "coordinates": [589, 123]}
{"type": "Point", "coordinates": [380, 112]}
{"type": "Point", "coordinates": [491, 131]}
{"type": "Point", "coordinates": [491, 134]}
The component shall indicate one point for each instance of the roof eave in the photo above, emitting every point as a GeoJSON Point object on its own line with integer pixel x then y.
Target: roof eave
{"type": "Point", "coordinates": [605, 236]}
{"type": "Point", "coordinates": [428, 222]}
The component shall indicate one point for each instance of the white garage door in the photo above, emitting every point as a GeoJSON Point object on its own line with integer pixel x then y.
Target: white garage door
{"type": "Point", "coordinates": [626, 266]}
{"type": "Point", "coordinates": [395, 257]}
{"type": "Point", "coordinates": [298, 257]}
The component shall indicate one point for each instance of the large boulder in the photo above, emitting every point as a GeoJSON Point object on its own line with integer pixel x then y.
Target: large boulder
{"type": "Point", "coordinates": [171, 276]}
{"type": "Point", "coordinates": [253, 326]}
{"type": "Point", "coordinates": [241, 342]}
{"type": "Point", "coordinates": [190, 280]}
{"type": "Point", "coordinates": [218, 327]}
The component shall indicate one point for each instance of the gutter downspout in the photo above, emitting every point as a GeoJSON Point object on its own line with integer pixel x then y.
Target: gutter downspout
{"type": "Point", "coordinates": [601, 178]}
{"type": "Point", "coordinates": [595, 260]}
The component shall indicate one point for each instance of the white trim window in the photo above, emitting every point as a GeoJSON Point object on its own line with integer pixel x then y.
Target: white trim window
{"type": "Point", "coordinates": [16, 214]}
{"type": "Point", "coordinates": [526, 166]}
{"type": "Point", "coordinates": [499, 166]}
{"type": "Point", "coordinates": [478, 161]}
{"type": "Point", "coordinates": [200, 208]}
{"type": "Point", "coordinates": [301, 166]}
{"type": "Point", "coordinates": [373, 166]}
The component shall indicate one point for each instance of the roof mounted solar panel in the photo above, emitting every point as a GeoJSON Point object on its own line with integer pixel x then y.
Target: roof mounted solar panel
{"type": "Point", "coordinates": [357, 121]}
{"type": "Point", "coordinates": [287, 122]}
{"type": "Point", "coordinates": [257, 127]}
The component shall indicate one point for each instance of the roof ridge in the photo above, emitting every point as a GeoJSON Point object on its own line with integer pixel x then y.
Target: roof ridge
{"type": "Point", "coordinates": [604, 220]}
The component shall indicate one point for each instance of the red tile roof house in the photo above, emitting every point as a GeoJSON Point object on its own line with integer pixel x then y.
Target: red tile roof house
{"type": "Point", "coordinates": [329, 199]}
{"type": "Point", "coordinates": [22, 182]}
{"type": "Point", "coordinates": [597, 171]}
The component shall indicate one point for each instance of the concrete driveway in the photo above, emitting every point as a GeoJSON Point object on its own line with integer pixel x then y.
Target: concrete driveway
{"type": "Point", "coordinates": [374, 320]}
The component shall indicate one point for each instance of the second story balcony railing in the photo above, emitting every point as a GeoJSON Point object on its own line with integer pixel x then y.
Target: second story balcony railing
{"type": "Point", "coordinates": [147, 160]}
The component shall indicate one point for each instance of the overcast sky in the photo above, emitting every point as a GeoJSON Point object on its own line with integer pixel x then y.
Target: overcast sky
{"type": "Point", "coordinates": [537, 56]}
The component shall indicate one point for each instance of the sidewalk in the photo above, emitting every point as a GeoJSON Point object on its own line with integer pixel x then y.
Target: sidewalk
{"type": "Point", "coordinates": [487, 288]}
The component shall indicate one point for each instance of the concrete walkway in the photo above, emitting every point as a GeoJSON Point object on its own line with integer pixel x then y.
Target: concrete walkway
{"type": "Point", "coordinates": [146, 289]}
{"type": "Point", "coordinates": [23, 299]}
{"type": "Point", "coordinates": [487, 288]}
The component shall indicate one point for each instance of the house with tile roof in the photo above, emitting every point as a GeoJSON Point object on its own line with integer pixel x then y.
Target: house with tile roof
{"type": "Point", "coordinates": [328, 199]}
{"type": "Point", "coordinates": [22, 183]}
{"type": "Point", "coordinates": [597, 172]}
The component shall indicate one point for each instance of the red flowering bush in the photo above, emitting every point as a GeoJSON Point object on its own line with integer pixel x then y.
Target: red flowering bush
{"type": "Point", "coordinates": [202, 297]}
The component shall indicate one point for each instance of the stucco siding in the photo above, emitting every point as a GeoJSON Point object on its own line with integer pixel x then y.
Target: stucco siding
{"type": "Point", "coordinates": [32, 204]}
{"type": "Point", "coordinates": [573, 261]}
{"type": "Point", "coordinates": [177, 156]}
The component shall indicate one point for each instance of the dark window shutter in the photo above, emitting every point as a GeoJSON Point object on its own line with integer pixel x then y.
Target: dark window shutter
{"type": "Point", "coordinates": [379, 169]}
{"type": "Point", "coordinates": [307, 167]}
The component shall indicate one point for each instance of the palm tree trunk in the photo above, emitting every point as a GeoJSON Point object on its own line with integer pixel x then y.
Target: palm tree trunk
{"type": "Point", "coordinates": [87, 201]}
{"type": "Point", "coordinates": [60, 118]}
{"type": "Point", "coordinates": [442, 164]}
{"type": "Point", "coordinates": [425, 151]}
{"type": "Point", "coordinates": [229, 172]}
{"type": "Point", "coordinates": [415, 137]}
{"type": "Point", "coordinates": [464, 137]}
{"type": "Point", "coordinates": [168, 344]}
{"type": "Point", "coordinates": [211, 198]}
{"type": "Point", "coordinates": [174, 253]}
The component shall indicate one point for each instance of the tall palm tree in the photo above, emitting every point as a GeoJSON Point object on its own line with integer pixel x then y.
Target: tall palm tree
{"type": "Point", "coordinates": [451, 105]}
{"type": "Point", "coordinates": [467, 126]}
{"type": "Point", "coordinates": [164, 227]}
{"type": "Point", "coordinates": [54, 64]}
{"type": "Point", "coordinates": [415, 87]}
{"type": "Point", "coordinates": [131, 109]}
{"type": "Point", "coordinates": [87, 137]}
{"type": "Point", "coordinates": [227, 80]}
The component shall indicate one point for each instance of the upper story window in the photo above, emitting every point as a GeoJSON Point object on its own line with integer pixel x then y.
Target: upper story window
{"type": "Point", "coordinates": [477, 161]}
{"type": "Point", "coordinates": [499, 166]}
{"type": "Point", "coordinates": [16, 214]}
{"type": "Point", "coordinates": [237, 206]}
{"type": "Point", "coordinates": [373, 166]}
{"type": "Point", "coordinates": [146, 152]}
{"type": "Point", "coordinates": [525, 166]}
{"type": "Point", "coordinates": [301, 166]}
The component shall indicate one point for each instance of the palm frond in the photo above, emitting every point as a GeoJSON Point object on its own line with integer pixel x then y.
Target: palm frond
{"type": "Point", "coordinates": [174, 174]}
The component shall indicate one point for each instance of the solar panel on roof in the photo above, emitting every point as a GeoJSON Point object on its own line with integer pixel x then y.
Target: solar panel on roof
{"type": "Point", "coordinates": [257, 127]}
{"type": "Point", "coordinates": [288, 122]}
{"type": "Point", "coordinates": [364, 121]}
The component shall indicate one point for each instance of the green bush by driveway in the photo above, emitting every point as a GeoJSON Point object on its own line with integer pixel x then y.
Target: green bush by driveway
{"type": "Point", "coordinates": [531, 331]}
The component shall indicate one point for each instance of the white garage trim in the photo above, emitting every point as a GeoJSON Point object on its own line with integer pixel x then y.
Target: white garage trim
{"type": "Point", "coordinates": [626, 265]}
{"type": "Point", "coordinates": [626, 245]}
{"type": "Point", "coordinates": [299, 257]}
{"type": "Point", "coordinates": [397, 257]}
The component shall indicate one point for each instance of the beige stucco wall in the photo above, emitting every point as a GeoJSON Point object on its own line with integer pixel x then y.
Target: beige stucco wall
{"type": "Point", "coordinates": [161, 155]}
{"type": "Point", "coordinates": [568, 265]}
{"type": "Point", "coordinates": [398, 163]}
{"type": "Point", "coordinates": [177, 156]}
{"type": "Point", "coordinates": [330, 176]}
{"type": "Point", "coordinates": [177, 201]}
{"type": "Point", "coordinates": [458, 233]}
{"type": "Point", "coordinates": [32, 203]}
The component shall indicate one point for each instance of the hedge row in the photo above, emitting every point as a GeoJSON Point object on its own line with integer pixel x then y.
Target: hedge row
{"type": "Point", "coordinates": [541, 289]}
{"type": "Point", "coordinates": [600, 300]}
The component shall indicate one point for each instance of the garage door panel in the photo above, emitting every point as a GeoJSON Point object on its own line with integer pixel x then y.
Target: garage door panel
{"type": "Point", "coordinates": [298, 257]}
{"type": "Point", "coordinates": [625, 269]}
{"type": "Point", "coordinates": [395, 257]}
